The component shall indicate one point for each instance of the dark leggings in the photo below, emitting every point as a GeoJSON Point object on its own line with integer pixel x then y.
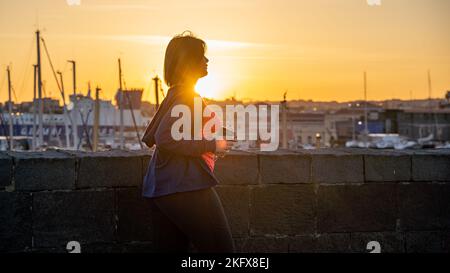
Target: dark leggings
{"type": "Point", "coordinates": [195, 217]}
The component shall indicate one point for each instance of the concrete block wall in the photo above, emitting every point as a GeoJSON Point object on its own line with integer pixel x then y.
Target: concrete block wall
{"type": "Point", "coordinates": [333, 200]}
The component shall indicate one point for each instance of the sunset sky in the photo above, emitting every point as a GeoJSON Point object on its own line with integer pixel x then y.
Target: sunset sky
{"type": "Point", "coordinates": [314, 49]}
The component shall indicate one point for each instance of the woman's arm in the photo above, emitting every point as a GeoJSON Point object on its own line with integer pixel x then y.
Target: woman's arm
{"type": "Point", "coordinates": [164, 139]}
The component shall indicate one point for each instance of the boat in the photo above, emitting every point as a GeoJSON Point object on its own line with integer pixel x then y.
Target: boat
{"type": "Point", "coordinates": [54, 129]}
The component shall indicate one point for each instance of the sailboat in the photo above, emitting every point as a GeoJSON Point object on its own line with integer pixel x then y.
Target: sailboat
{"type": "Point", "coordinates": [72, 125]}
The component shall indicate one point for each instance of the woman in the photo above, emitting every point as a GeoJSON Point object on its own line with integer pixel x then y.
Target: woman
{"type": "Point", "coordinates": [179, 184]}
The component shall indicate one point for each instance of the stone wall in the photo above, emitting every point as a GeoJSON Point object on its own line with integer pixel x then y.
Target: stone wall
{"type": "Point", "coordinates": [330, 200]}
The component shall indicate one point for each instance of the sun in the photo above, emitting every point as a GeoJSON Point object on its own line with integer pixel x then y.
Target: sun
{"type": "Point", "coordinates": [209, 87]}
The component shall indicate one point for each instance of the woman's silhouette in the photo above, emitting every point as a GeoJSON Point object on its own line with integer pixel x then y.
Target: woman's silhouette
{"type": "Point", "coordinates": [179, 184]}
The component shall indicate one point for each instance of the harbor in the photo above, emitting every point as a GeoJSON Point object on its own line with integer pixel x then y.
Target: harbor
{"type": "Point", "coordinates": [87, 123]}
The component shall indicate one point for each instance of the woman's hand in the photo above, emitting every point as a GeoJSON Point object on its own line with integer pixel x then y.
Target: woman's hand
{"type": "Point", "coordinates": [224, 146]}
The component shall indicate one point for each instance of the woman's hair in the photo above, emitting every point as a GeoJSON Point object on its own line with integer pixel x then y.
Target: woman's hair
{"type": "Point", "coordinates": [183, 54]}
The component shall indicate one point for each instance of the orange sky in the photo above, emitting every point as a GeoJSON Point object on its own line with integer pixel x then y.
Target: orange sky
{"type": "Point", "coordinates": [315, 49]}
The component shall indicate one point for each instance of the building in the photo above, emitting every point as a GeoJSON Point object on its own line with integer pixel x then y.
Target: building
{"type": "Point", "coordinates": [348, 123]}
{"type": "Point", "coordinates": [421, 123]}
{"type": "Point", "coordinates": [131, 99]}
{"type": "Point", "coordinates": [307, 127]}
{"type": "Point", "coordinates": [445, 103]}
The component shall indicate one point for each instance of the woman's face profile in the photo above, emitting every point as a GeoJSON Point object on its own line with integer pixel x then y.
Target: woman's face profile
{"type": "Point", "coordinates": [203, 67]}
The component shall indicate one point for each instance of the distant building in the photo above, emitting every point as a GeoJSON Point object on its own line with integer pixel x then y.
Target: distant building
{"type": "Point", "coordinates": [148, 109]}
{"type": "Point", "coordinates": [130, 98]}
{"type": "Point", "coordinates": [348, 123]}
{"type": "Point", "coordinates": [303, 128]}
{"type": "Point", "coordinates": [391, 124]}
{"type": "Point", "coordinates": [419, 123]}
{"type": "Point", "coordinates": [445, 104]}
{"type": "Point", "coordinates": [411, 104]}
{"type": "Point", "coordinates": [50, 106]}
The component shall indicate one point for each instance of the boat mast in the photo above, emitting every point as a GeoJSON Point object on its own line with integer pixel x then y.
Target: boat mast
{"type": "Point", "coordinates": [39, 84]}
{"type": "Point", "coordinates": [156, 80]}
{"type": "Point", "coordinates": [66, 124]}
{"type": "Point", "coordinates": [10, 110]}
{"type": "Point", "coordinates": [431, 107]}
{"type": "Point", "coordinates": [366, 129]}
{"type": "Point", "coordinates": [34, 107]}
{"type": "Point", "coordinates": [74, 109]}
{"type": "Point", "coordinates": [284, 143]}
{"type": "Point", "coordinates": [429, 90]}
{"type": "Point", "coordinates": [96, 119]}
{"type": "Point", "coordinates": [122, 144]}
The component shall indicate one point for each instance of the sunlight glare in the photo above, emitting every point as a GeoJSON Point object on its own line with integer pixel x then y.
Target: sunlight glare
{"type": "Point", "coordinates": [210, 87]}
